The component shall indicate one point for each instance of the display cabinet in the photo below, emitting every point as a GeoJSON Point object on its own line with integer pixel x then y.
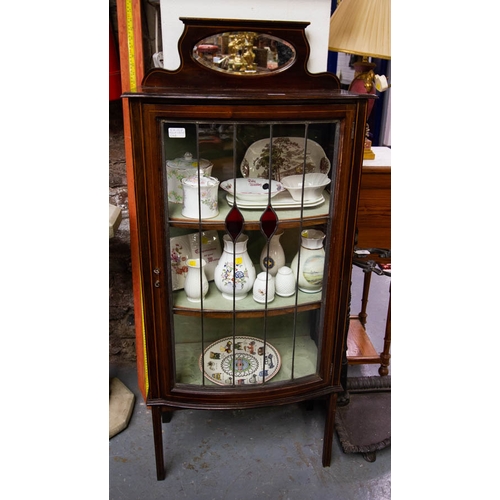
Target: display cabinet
{"type": "Point", "coordinates": [244, 185]}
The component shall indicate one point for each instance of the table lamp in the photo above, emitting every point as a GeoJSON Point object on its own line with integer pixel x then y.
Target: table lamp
{"type": "Point", "coordinates": [363, 28]}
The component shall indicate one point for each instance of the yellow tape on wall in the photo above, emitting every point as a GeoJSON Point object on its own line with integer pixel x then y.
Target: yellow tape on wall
{"type": "Point", "coordinates": [131, 45]}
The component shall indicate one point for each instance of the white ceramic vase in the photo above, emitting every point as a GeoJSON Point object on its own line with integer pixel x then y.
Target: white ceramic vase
{"type": "Point", "coordinates": [309, 268]}
{"type": "Point", "coordinates": [275, 259]}
{"type": "Point", "coordinates": [196, 283]}
{"type": "Point", "coordinates": [235, 272]}
{"type": "Point", "coordinates": [285, 282]}
{"type": "Point", "coordinates": [263, 288]}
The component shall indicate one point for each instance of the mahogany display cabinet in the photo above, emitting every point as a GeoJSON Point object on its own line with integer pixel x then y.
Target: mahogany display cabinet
{"type": "Point", "coordinates": [213, 145]}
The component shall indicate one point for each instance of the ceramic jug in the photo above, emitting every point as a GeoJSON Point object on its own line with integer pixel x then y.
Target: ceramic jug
{"type": "Point", "coordinates": [196, 283]}
{"type": "Point", "coordinates": [309, 262]}
{"type": "Point", "coordinates": [235, 271]}
{"type": "Point", "coordinates": [202, 190]}
{"type": "Point", "coordinates": [263, 288]}
{"type": "Point", "coordinates": [275, 259]}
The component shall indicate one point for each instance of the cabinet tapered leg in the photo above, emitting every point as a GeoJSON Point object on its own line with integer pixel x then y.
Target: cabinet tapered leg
{"type": "Point", "coordinates": [331, 405]}
{"type": "Point", "coordinates": [158, 439]}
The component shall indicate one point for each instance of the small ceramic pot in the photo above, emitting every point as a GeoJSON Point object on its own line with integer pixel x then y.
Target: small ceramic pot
{"type": "Point", "coordinates": [285, 282]}
{"type": "Point", "coordinates": [263, 288]}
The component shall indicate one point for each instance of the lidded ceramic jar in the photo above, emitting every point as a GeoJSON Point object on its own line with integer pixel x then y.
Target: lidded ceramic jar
{"type": "Point", "coordinates": [180, 168]}
{"type": "Point", "coordinates": [202, 190]}
{"type": "Point", "coordinates": [196, 283]}
{"type": "Point", "coordinates": [310, 260]}
{"type": "Point", "coordinates": [235, 272]}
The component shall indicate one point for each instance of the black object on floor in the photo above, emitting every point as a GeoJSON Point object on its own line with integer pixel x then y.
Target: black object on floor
{"type": "Point", "coordinates": [364, 424]}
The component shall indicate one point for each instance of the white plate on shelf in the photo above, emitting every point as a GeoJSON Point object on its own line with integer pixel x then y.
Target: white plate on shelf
{"type": "Point", "coordinates": [282, 200]}
{"type": "Point", "coordinates": [251, 360]}
{"type": "Point", "coordinates": [288, 154]}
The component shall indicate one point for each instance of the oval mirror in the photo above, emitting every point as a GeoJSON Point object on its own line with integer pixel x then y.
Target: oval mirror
{"type": "Point", "coordinates": [244, 53]}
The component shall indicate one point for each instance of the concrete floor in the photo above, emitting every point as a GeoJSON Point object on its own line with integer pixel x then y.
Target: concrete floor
{"type": "Point", "coordinates": [269, 453]}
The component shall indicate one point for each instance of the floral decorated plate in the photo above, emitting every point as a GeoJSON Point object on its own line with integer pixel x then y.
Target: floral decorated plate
{"type": "Point", "coordinates": [288, 158]}
{"type": "Point", "coordinates": [247, 361]}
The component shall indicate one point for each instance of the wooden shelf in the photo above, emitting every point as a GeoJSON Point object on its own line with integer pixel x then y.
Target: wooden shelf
{"type": "Point", "coordinates": [215, 305]}
{"type": "Point", "coordinates": [360, 349]}
{"type": "Point", "coordinates": [288, 217]}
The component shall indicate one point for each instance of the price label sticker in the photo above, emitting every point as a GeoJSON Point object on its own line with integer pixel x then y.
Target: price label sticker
{"type": "Point", "coordinates": [239, 260]}
{"type": "Point", "coordinates": [177, 132]}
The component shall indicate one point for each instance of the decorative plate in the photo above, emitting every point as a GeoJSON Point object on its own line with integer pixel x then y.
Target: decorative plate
{"type": "Point", "coordinates": [288, 158]}
{"type": "Point", "coordinates": [252, 363]}
{"type": "Point", "coordinates": [283, 200]}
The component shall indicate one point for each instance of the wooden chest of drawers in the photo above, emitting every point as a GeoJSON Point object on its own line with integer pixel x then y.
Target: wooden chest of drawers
{"type": "Point", "coordinates": [374, 207]}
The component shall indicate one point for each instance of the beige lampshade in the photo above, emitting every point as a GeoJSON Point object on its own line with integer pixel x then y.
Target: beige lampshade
{"type": "Point", "coordinates": [362, 27]}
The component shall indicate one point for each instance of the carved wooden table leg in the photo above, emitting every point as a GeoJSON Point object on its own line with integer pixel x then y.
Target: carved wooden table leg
{"type": "Point", "coordinates": [364, 299]}
{"type": "Point", "coordinates": [158, 439]}
{"type": "Point", "coordinates": [385, 355]}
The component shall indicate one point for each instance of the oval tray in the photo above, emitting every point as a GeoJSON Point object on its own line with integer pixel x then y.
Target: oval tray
{"type": "Point", "coordinates": [252, 363]}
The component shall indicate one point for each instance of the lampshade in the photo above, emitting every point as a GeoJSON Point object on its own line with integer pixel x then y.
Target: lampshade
{"type": "Point", "coordinates": [362, 27]}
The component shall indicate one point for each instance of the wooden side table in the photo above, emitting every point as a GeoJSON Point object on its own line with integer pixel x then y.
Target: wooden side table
{"type": "Point", "coordinates": [374, 231]}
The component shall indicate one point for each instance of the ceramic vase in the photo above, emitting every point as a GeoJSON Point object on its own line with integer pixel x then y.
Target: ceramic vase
{"type": "Point", "coordinates": [196, 283]}
{"type": "Point", "coordinates": [275, 258]}
{"type": "Point", "coordinates": [285, 282]}
{"type": "Point", "coordinates": [235, 272]}
{"type": "Point", "coordinates": [263, 288]}
{"type": "Point", "coordinates": [309, 262]}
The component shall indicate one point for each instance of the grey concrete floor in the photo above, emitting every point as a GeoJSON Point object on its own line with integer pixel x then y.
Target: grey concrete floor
{"type": "Point", "coordinates": [266, 453]}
